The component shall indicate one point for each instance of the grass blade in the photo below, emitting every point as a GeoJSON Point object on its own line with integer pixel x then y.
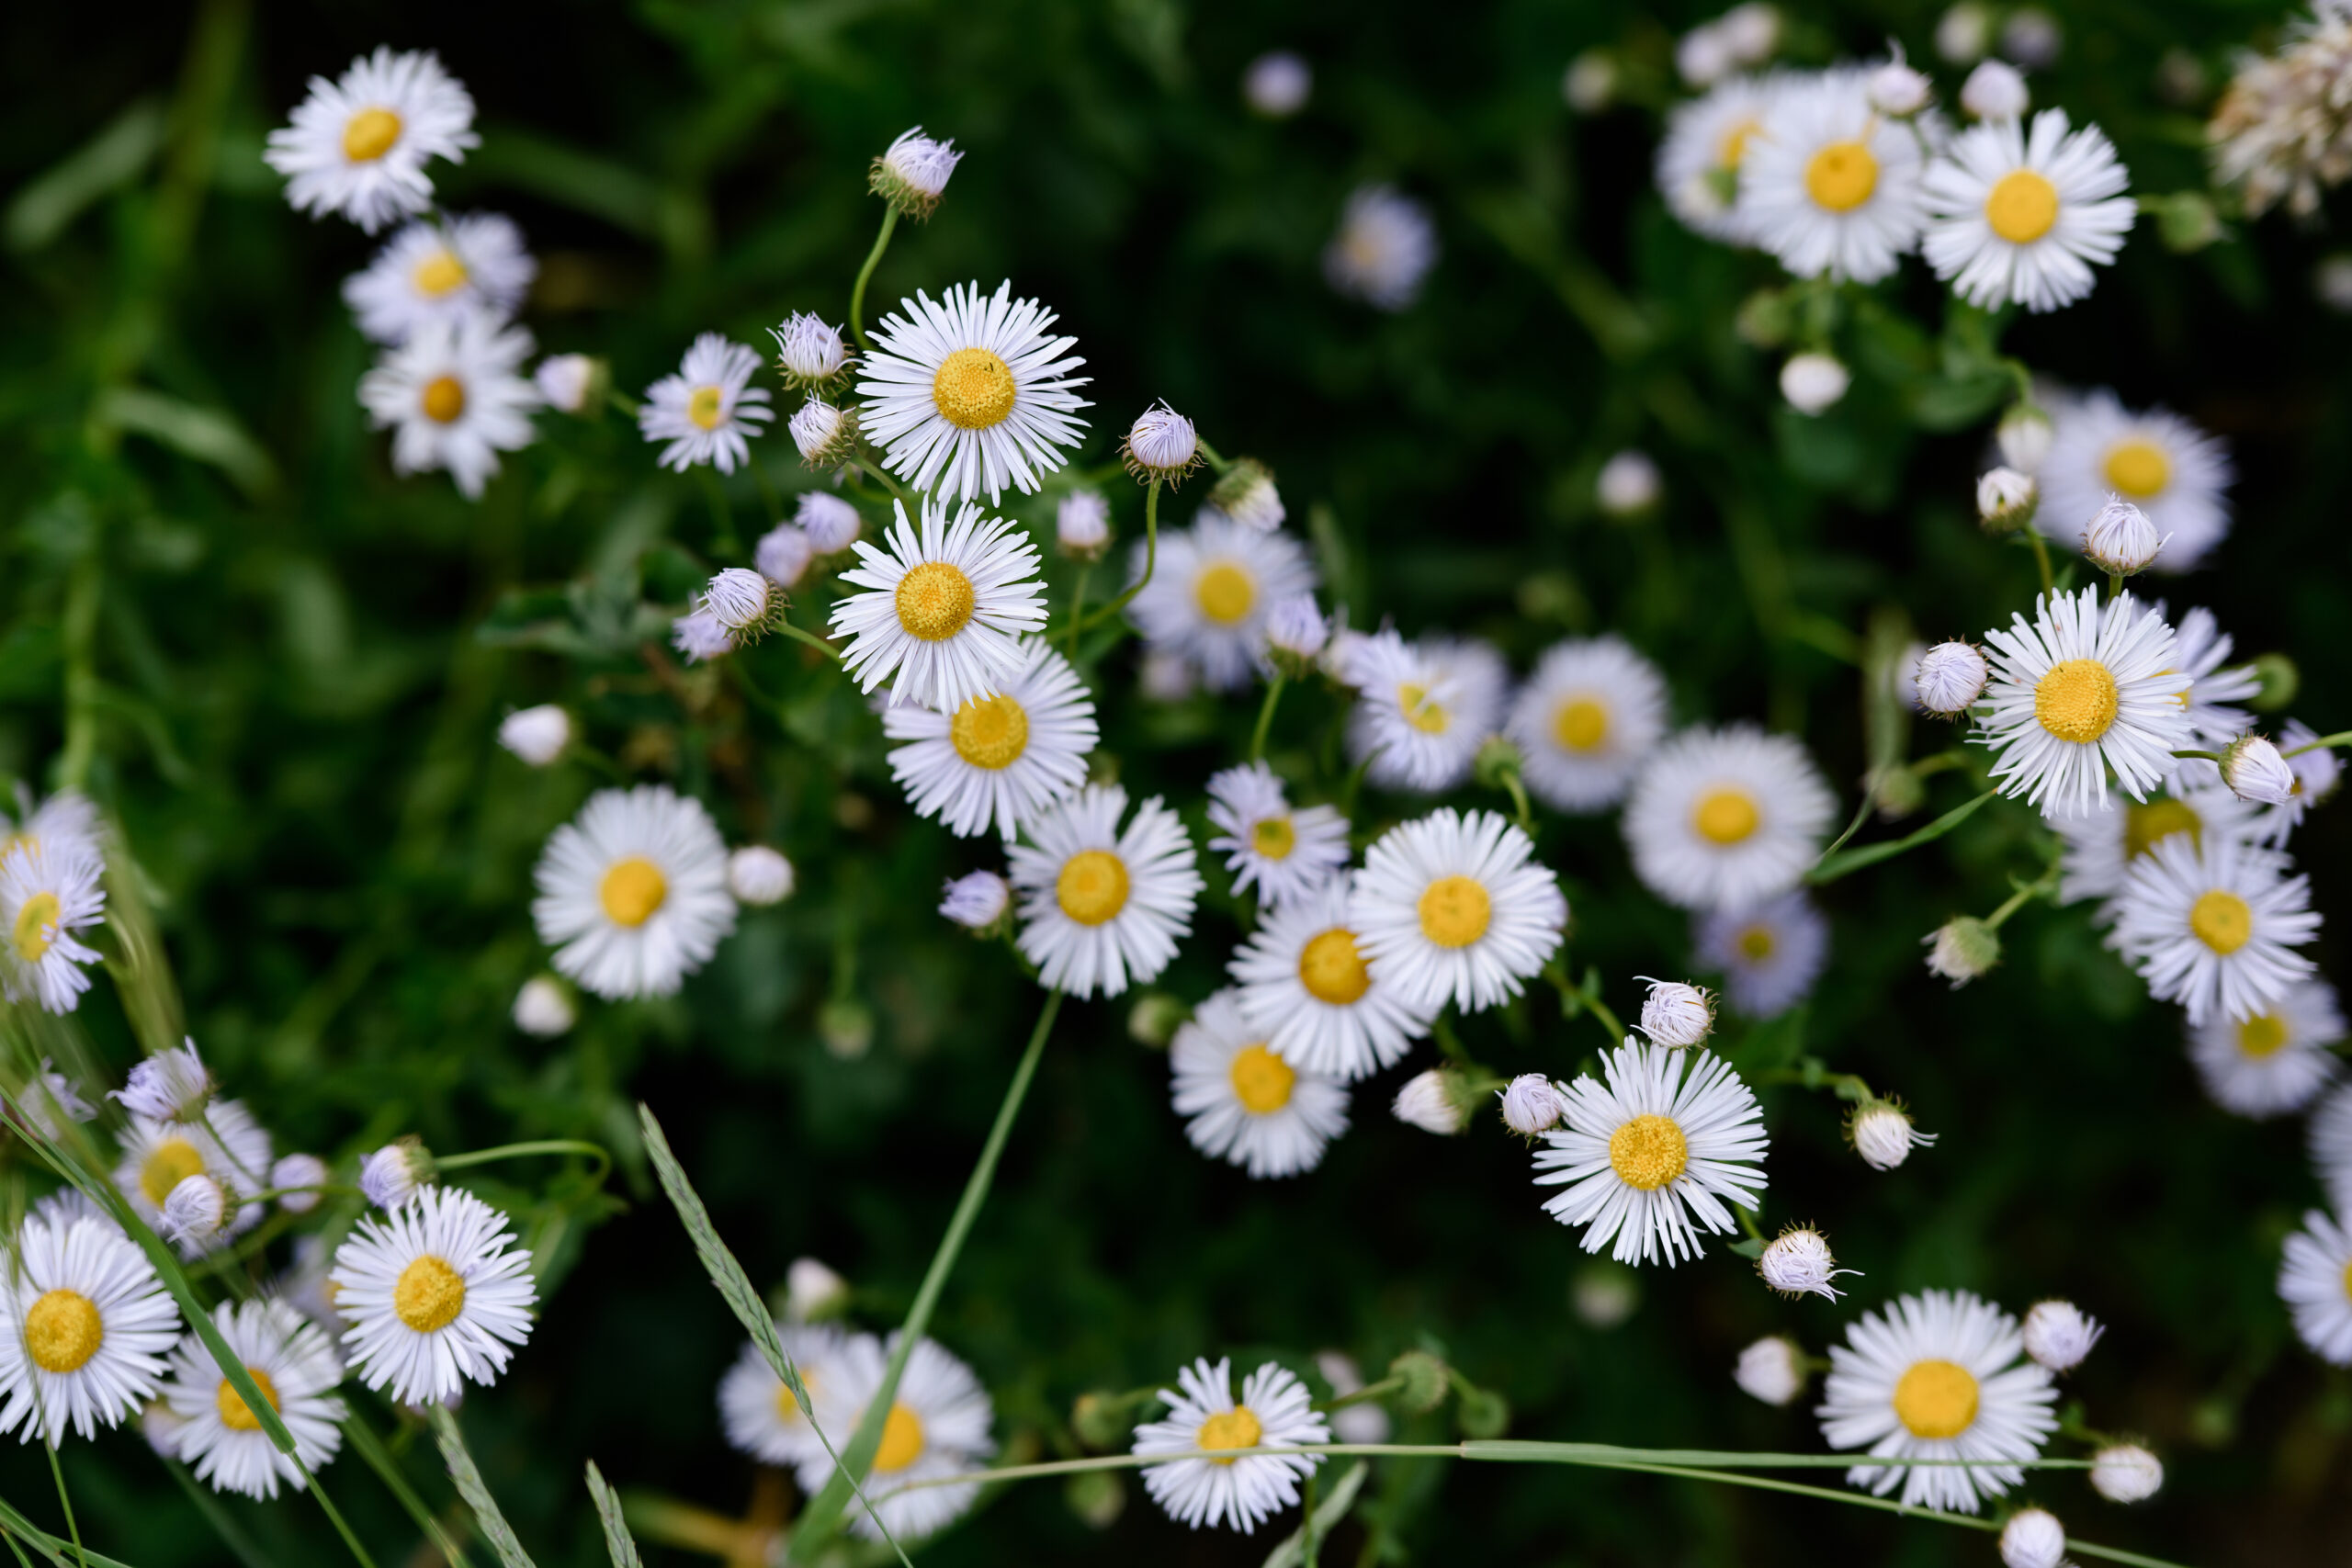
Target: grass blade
{"type": "Point", "coordinates": [608, 1508]}
{"type": "Point", "coordinates": [486, 1518]}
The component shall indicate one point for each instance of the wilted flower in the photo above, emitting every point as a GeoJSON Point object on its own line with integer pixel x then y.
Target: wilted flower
{"type": "Point", "coordinates": [912, 171]}
{"type": "Point", "coordinates": [758, 875]}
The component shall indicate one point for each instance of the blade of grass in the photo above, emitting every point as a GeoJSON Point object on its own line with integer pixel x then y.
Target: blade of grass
{"type": "Point", "coordinates": [608, 1508]}
{"type": "Point", "coordinates": [470, 1486]}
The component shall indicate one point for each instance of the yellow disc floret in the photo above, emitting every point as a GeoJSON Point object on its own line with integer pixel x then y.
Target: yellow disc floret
{"type": "Point", "coordinates": [429, 1294]}
{"type": "Point", "coordinates": [37, 922]}
{"type": "Point", "coordinates": [1936, 1399]}
{"type": "Point", "coordinates": [1225, 593]}
{"type": "Point", "coordinates": [1273, 837]}
{"type": "Point", "coordinates": [1580, 724]}
{"type": "Point", "coordinates": [1234, 1428]}
{"type": "Point", "coordinates": [1842, 176]}
{"type": "Point", "coordinates": [902, 1439]}
{"type": "Point", "coordinates": [439, 274]}
{"type": "Point", "coordinates": [1429, 717]}
{"type": "Point", "coordinates": [235, 1414]}
{"type": "Point", "coordinates": [1648, 1152]}
{"type": "Point", "coordinates": [444, 400]}
{"type": "Point", "coordinates": [1331, 968]}
{"type": "Point", "coordinates": [2144, 825]}
{"type": "Point", "coordinates": [1455, 912]}
{"type": "Point", "coordinates": [1756, 943]}
{"type": "Point", "coordinates": [702, 407]}
{"type": "Point", "coordinates": [63, 1330]}
{"type": "Point", "coordinates": [934, 601]}
{"type": "Point", "coordinates": [1726, 815]}
{"type": "Point", "coordinates": [973, 390]}
{"type": "Point", "coordinates": [2021, 207]}
{"type": "Point", "coordinates": [370, 134]}
{"type": "Point", "coordinates": [168, 1165]}
{"type": "Point", "coordinates": [1092, 886]}
{"type": "Point", "coordinates": [2138, 467]}
{"type": "Point", "coordinates": [2222, 920]}
{"type": "Point", "coordinates": [2261, 1036]}
{"type": "Point", "coordinates": [2075, 700]}
{"type": "Point", "coordinates": [1262, 1080]}
{"type": "Point", "coordinates": [990, 732]}
{"type": "Point", "coordinates": [632, 891]}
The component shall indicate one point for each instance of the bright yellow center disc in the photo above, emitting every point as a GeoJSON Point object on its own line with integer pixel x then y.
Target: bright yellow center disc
{"type": "Point", "coordinates": [973, 390]}
{"type": "Point", "coordinates": [1225, 593]}
{"type": "Point", "coordinates": [429, 1295]}
{"type": "Point", "coordinates": [990, 732]}
{"type": "Point", "coordinates": [2261, 1036]}
{"type": "Point", "coordinates": [1092, 886]}
{"type": "Point", "coordinates": [2144, 825]}
{"type": "Point", "coordinates": [1580, 724]}
{"type": "Point", "coordinates": [1235, 1429]}
{"type": "Point", "coordinates": [370, 134]}
{"type": "Point", "coordinates": [1273, 838]}
{"type": "Point", "coordinates": [1331, 969]}
{"type": "Point", "coordinates": [1726, 815]}
{"type": "Point", "coordinates": [235, 1414]}
{"type": "Point", "coordinates": [1648, 1152]}
{"type": "Point", "coordinates": [62, 1331]}
{"type": "Point", "coordinates": [1842, 176]}
{"type": "Point", "coordinates": [1936, 1399]}
{"type": "Point", "coordinates": [1756, 942]}
{"type": "Point", "coordinates": [168, 1164]}
{"type": "Point", "coordinates": [438, 274]}
{"type": "Point", "coordinates": [902, 1439]}
{"type": "Point", "coordinates": [2021, 207]}
{"type": "Point", "coordinates": [2221, 922]}
{"type": "Point", "coordinates": [1454, 911]}
{"type": "Point", "coordinates": [1429, 717]}
{"type": "Point", "coordinates": [36, 920]}
{"type": "Point", "coordinates": [934, 601]}
{"type": "Point", "coordinates": [2075, 700]}
{"type": "Point", "coordinates": [1262, 1080]}
{"type": "Point", "coordinates": [632, 890]}
{"type": "Point", "coordinates": [702, 407]}
{"type": "Point", "coordinates": [444, 400]}
{"type": "Point", "coordinates": [2138, 468]}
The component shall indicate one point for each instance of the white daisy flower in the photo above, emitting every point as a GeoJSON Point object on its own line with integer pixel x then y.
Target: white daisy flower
{"type": "Point", "coordinates": [537, 735]}
{"type": "Point", "coordinates": [1769, 954]}
{"type": "Point", "coordinates": [1453, 908]}
{"type": "Point", "coordinates": [1828, 185]}
{"type": "Point", "coordinates": [1286, 854]}
{"type": "Point", "coordinates": [543, 1007]}
{"type": "Point", "coordinates": [1212, 588]}
{"type": "Point", "coordinates": [453, 398]}
{"type": "Point", "coordinates": [227, 1145]}
{"type": "Point", "coordinates": [1704, 149]}
{"type": "Point", "coordinates": [1204, 1420]}
{"type": "Point", "coordinates": [2315, 1280]}
{"type": "Point", "coordinates": [1244, 1105]}
{"type": "Point", "coordinates": [1385, 246]}
{"type": "Point", "coordinates": [2316, 774]}
{"type": "Point", "coordinates": [438, 272]}
{"type": "Point", "coordinates": [944, 608]}
{"type": "Point", "coordinates": [1423, 708]}
{"type": "Point", "coordinates": [85, 1326]}
{"type": "Point", "coordinates": [436, 1293]}
{"type": "Point", "coordinates": [1937, 1376]}
{"type": "Point", "coordinates": [937, 1426]}
{"type": "Point", "coordinates": [2082, 689]}
{"type": "Point", "coordinates": [2202, 648]}
{"type": "Point", "coordinates": [2154, 460]}
{"type": "Point", "coordinates": [969, 394]}
{"type": "Point", "coordinates": [2099, 849]}
{"type": "Point", "coordinates": [706, 408]}
{"type": "Point", "coordinates": [2212, 926]}
{"type": "Point", "coordinates": [66, 822]}
{"type": "Point", "coordinates": [998, 761]}
{"type": "Point", "coordinates": [760, 1415]}
{"type": "Point", "coordinates": [1723, 819]}
{"type": "Point", "coordinates": [1585, 720]}
{"type": "Point", "coordinates": [1306, 990]}
{"type": "Point", "coordinates": [633, 892]}
{"type": "Point", "coordinates": [1102, 909]}
{"type": "Point", "coordinates": [47, 897]}
{"type": "Point", "coordinates": [1650, 1156]}
{"type": "Point", "coordinates": [219, 1436]}
{"type": "Point", "coordinates": [358, 145]}
{"type": "Point", "coordinates": [2021, 215]}
{"type": "Point", "coordinates": [173, 1084]}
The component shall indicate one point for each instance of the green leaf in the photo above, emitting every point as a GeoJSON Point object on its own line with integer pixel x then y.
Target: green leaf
{"type": "Point", "coordinates": [1327, 1512]}
{"type": "Point", "coordinates": [208, 436]}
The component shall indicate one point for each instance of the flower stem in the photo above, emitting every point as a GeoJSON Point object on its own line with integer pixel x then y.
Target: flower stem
{"type": "Point", "coordinates": [873, 258]}
{"type": "Point", "coordinates": [1150, 557]}
{"type": "Point", "coordinates": [2341, 738]}
{"type": "Point", "coordinates": [1078, 607]}
{"type": "Point", "coordinates": [723, 543]}
{"type": "Point", "coordinates": [535, 1146]}
{"type": "Point", "coordinates": [810, 639]}
{"type": "Point", "coordinates": [1870, 855]}
{"type": "Point", "coordinates": [2042, 561]}
{"type": "Point", "coordinates": [67, 1502]}
{"type": "Point", "coordinates": [1220, 464]}
{"type": "Point", "coordinates": [370, 1448]}
{"type": "Point", "coordinates": [2041, 886]}
{"type": "Point", "coordinates": [1265, 716]}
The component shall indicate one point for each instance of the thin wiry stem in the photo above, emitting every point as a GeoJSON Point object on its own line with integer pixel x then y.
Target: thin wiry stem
{"type": "Point", "coordinates": [872, 259]}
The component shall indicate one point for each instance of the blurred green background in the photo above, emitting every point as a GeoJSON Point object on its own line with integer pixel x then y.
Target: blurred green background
{"type": "Point", "coordinates": [295, 663]}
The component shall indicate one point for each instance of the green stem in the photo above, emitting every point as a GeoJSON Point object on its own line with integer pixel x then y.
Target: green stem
{"type": "Point", "coordinates": [67, 1502]}
{"type": "Point", "coordinates": [1216, 462]}
{"type": "Point", "coordinates": [1078, 607]}
{"type": "Point", "coordinates": [2114, 586]}
{"type": "Point", "coordinates": [1870, 855]}
{"type": "Point", "coordinates": [80, 673]}
{"type": "Point", "coordinates": [2206, 756]}
{"type": "Point", "coordinates": [535, 1146]}
{"type": "Point", "coordinates": [1747, 1223]}
{"type": "Point", "coordinates": [597, 763]}
{"type": "Point", "coordinates": [1861, 813]}
{"type": "Point", "coordinates": [1150, 557]}
{"type": "Point", "coordinates": [1265, 716]}
{"type": "Point", "coordinates": [2045, 883]}
{"type": "Point", "coordinates": [809, 639]}
{"type": "Point", "coordinates": [370, 1448]}
{"type": "Point", "coordinates": [622, 400]}
{"type": "Point", "coordinates": [1518, 789]}
{"type": "Point", "coordinates": [723, 543]}
{"type": "Point", "coordinates": [2042, 561]}
{"type": "Point", "coordinates": [1363, 1396]}
{"type": "Point", "coordinates": [881, 476]}
{"type": "Point", "coordinates": [2341, 738]}
{"type": "Point", "coordinates": [872, 259]}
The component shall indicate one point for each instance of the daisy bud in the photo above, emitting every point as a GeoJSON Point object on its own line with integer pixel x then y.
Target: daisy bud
{"type": "Point", "coordinates": [1166, 677]}
{"type": "Point", "coordinates": [1246, 493]}
{"type": "Point", "coordinates": [1629, 484]}
{"type": "Point", "coordinates": [1366, 1422]}
{"type": "Point", "coordinates": [1897, 90]}
{"type": "Point", "coordinates": [1154, 1019]}
{"type": "Point", "coordinates": [1295, 627]}
{"type": "Point", "coordinates": [1813, 381]}
{"type": "Point", "coordinates": [812, 1291]}
{"type": "Point", "coordinates": [2254, 771]}
{"type": "Point", "coordinates": [2279, 680]}
{"type": "Point", "coordinates": [162, 1428]}
{"type": "Point", "coordinates": [759, 876]}
{"type": "Point", "coordinates": [1160, 444]}
{"type": "Point", "coordinates": [1964, 32]}
{"type": "Point", "coordinates": [2024, 437]}
{"type": "Point", "coordinates": [297, 1178]}
{"type": "Point", "coordinates": [1276, 83]}
{"type": "Point", "coordinates": [1771, 1370]}
{"type": "Point", "coordinates": [49, 1101]}
{"type": "Point", "coordinates": [1083, 525]}
{"type": "Point", "coordinates": [809, 352]}
{"type": "Point", "coordinates": [825, 434]}
{"type": "Point", "coordinates": [1949, 678]}
{"type": "Point", "coordinates": [2126, 1472]}
{"type": "Point", "coordinates": [170, 1086]}
{"type": "Point", "coordinates": [391, 1175]}
{"type": "Point", "coordinates": [700, 636]}
{"type": "Point", "coordinates": [1426, 1102]}
{"type": "Point", "coordinates": [2005, 499]}
{"type": "Point", "coordinates": [2030, 37]}
{"type": "Point", "coordinates": [2121, 539]}
{"type": "Point", "coordinates": [1995, 91]}
{"type": "Point", "coordinates": [1963, 949]}
{"type": "Point", "coordinates": [196, 1211]}
{"type": "Point", "coordinates": [2060, 1334]}
{"type": "Point", "coordinates": [976, 902]}
{"type": "Point", "coordinates": [1797, 1262]}
{"type": "Point", "coordinates": [543, 1007]}
{"type": "Point", "coordinates": [1675, 1014]}
{"type": "Point", "coordinates": [1422, 1378]}
{"type": "Point", "coordinates": [1703, 55]}
{"type": "Point", "coordinates": [846, 1027]}
{"type": "Point", "coordinates": [572, 383]}
{"type": "Point", "coordinates": [831, 523]}
{"type": "Point", "coordinates": [1589, 84]}
{"type": "Point", "coordinates": [2032, 1539]}
{"type": "Point", "coordinates": [1882, 1134]}
{"type": "Point", "coordinates": [1101, 1418]}
{"type": "Point", "coordinates": [1533, 1104]}
{"type": "Point", "coordinates": [783, 554]}
{"type": "Point", "coordinates": [1752, 31]}
{"type": "Point", "coordinates": [537, 735]}
{"type": "Point", "coordinates": [1604, 1294]}
{"type": "Point", "coordinates": [912, 171]}
{"type": "Point", "coordinates": [742, 599]}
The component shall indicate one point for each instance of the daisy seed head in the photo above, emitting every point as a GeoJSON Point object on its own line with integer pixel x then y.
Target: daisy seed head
{"type": "Point", "coordinates": [1949, 678]}
{"type": "Point", "coordinates": [537, 735]}
{"type": "Point", "coordinates": [2254, 771]}
{"type": "Point", "coordinates": [2032, 1539]}
{"type": "Point", "coordinates": [2121, 539]}
{"type": "Point", "coordinates": [759, 875]}
{"type": "Point", "coordinates": [2126, 1472]}
{"type": "Point", "coordinates": [1246, 493]}
{"type": "Point", "coordinates": [912, 171]}
{"type": "Point", "coordinates": [978, 901]}
{"type": "Point", "coordinates": [2059, 1334]}
{"type": "Point", "coordinates": [1428, 1101]}
{"type": "Point", "coordinates": [543, 1007]}
{"type": "Point", "coordinates": [2005, 499]}
{"type": "Point", "coordinates": [1812, 382]}
{"type": "Point", "coordinates": [298, 1179]}
{"type": "Point", "coordinates": [1677, 1014]}
{"type": "Point", "coordinates": [1083, 525]}
{"type": "Point", "coordinates": [810, 352]}
{"type": "Point", "coordinates": [825, 435]}
{"type": "Point", "coordinates": [1963, 949]}
{"type": "Point", "coordinates": [1798, 1262]}
{"type": "Point", "coordinates": [1882, 1132]}
{"type": "Point", "coordinates": [1995, 90]}
{"type": "Point", "coordinates": [1771, 1370]}
{"type": "Point", "coordinates": [1160, 445]}
{"type": "Point", "coordinates": [1531, 1104]}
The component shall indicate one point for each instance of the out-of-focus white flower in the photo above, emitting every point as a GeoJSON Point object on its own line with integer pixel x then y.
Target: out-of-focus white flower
{"type": "Point", "coordinates": [1995, 90]}
{"type": "Point", "coordinates": [1771, 1370]}
{"type": "Point", "coordinates": [1964, 32]}
{"type": "Point", "coordinates": [1166, 676]}
{"type": "Point", "coordinates": [358, 145]}
{"type": "Point", "coordinates": [2332, 281]}
{"type": "Point", "coordinates": [1082, 525]}
{"type": "Point", "coordinates": [812, 1291]}
{"type": "Point", "coordinates": [1752, 31]}
{"type": "Point", "coordinates": [568, 381]}
{"type": "Point", "coordinates": [1160, 444]}
{"type": "Point", "coordinates": [1277, 83]}
{"type": "Point", "coordinates": [1899, 89]}
{"type": "Point", "coordinates": [1531, 1104]}
{"type": "Point", "coordinates": [1295, 627]}
{"type": "Point", "coordinates": [2121, 539]}
{"type": "Point", "coordinates": [1246, 493]}
{"type": "Point", "coordinates": [1629, 484]}
{"type": "Point", "coordinates": [2005, 498]}
{"type": "Point", "coordinates": [1703, 55]}
{"type": "Point", "coordinates": [1604, 1294]}
{"type": "Point", "coordinates": [1366, 1422]}
{"type": "Point", "coordinates": [2126, 1472]}
{"type": "Point", "coordinates": [1812, 382]}
{"type": "Point", "coordinates": [912, 171]}
{"type": "Point", "coordinates": [700, 636]}
{"type": "Point", "coordinates": [1883, 1134]}
{"type": "Point", "coordinates": [2032, 1539]}
{"type": "Point", "coordinates": [2030, 37]}
{"type": "Point", "coordinates": [758, 875]}
{"type": "Point", "coordinates": [2060, 1334]}
{"type": "Point", "coordinates": [2254, 771]}
{"type": "Point", "coordinates": [453, 398]}
{"type": "Point", "coordinates": [543, 1007]}
{"type": "Point", "coordinates": [1589, 84]}
{"type": "Point", "coordinates": [538, 734]}
{"type": "Point", "coordinates": [1677, 1014]}
{"type": "Point", "coordinates": [1426, 1102]}
{"type": "Point", "coordinates": [1385, 246]}
{"type": "Point", "coordinates": [1798, 1262]}
{"type": "Point", "coordinates": [783, 554]}
{"type": "Point", "coordinates": [2025, 434]}
{"type": "Point", "coordinates": [831, 523]}
{"type": "Point", "coordinates": [1951, 676]}
{"type": "Point", "coordinates": [977, 901]}
{"type": "Point", "coordinates": [297, 1178]}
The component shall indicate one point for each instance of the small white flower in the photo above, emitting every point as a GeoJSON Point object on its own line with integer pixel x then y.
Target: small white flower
{"type": "Point", "coordinates": [1771, 1370]}
{"type": "Point", "coordinates": [810, 350]}
{"type": "Point", "coordinates": [1385, 246]}
{"type": "Point", "coordinates": [2213, 924]}
{"type": "Point", "coordinates": [1723, 818]}
{"type": "Point", "coordinates": [2081, 688]}
{"type": "Point", "coordinates": [2032, 1539]}
{"type": "Point", "coordinates": [1531, 1104]}
{"type": "Point", "coordinates": [2126, 1472]}
{"type": "Point", "coordinates": [825, 435]}
{"type": "Point", "coordinates": [2031, 37]}
{"type": "Point", "coordinates": [1423, 708]}
{"type": "Point", "coordinates": [439, 271]}
{"type": "Point", "coordinates": [1589, 84]}
{"type": "Point", "coordinates": [1082, 525]}
{"type": "Point", "coordinates": [435, 1293]}
{"type": "Point", "coordinates": [454, 399]}
{"type": "Point", "coordinates": [977, 901]}
{"type": "Point", "coordinates": [1830, 186]}
{"type": "Point", "coordinates": [1769, 954]}
{"type": "Point", "coordinates": [1160, 444]}
{"type": "Point", "coordinates": [1899, 89]}
{"type": "Point", "coordinates": [1103, 908]}
{"type": "Point", "coordinates": [1456, 908]}
{"type": "Point", "coordinates": [2025, 435]}
{"type": "Point", "coordinates": [758, 875]}
{"type": "Point", "coordinates": [1276, 83]}
{"type": "Point", "coordinates": [1995, 91]}
{"type": "Point", "coordinates": [1366, 1422]}
{"type": "Point", "coordinates": [84, 1325]}
{"type": "Point", "coordinates": [392, 1176]}
{"type": "Point", "coordinates": [1797, 1262]}
{"type": "Point", "coordinates": [1951, 676]}
{"type": "Point", "coordinates": [2021, 215]}
{"type": "Point", "coordinates": [194, 1213]}
{"type": "Point", "coordinates": [1703, 55]}
{"type": "Point", "coordinates": [742, 601]}
{"type": "Point", "coordinates": [831, 524]}
{"type": "Point", "coordinates": [783, 554]}
{"type": "Point", "coordinates": [632, 892]}
{"type": "Point", "coordinates": [1296, 625]}
{"type": "Point", "coordinates": [2005, 498]}
{"type": "Point", "coordinates": [1286, 854]}
{"type": "Point", "coordinates": [1677, 1015]}
{"type": "Point", "coordinates": [812, 1291]}
{"type": "Point", "coordinates": [998, 761]}
{"type": "Point", "coordinates": [1427, 1101]}
{"type": "Point", "coordinates": [937, 1429]}
{"type": "Point", "coordinates": [1883, 1134]}
{"type": "Point", "coordinates": [1628, 485]}
{"type": "Point", "coordinates": [2255, 773]}
{"type": "Point", "coordinates": [2121, 539]}
{"type": "Point", "coordinates": [1247, 494]}
{"type": "Point", "coordinates": [758, 1412]}
{"type": "Point", "coordinates": [2060, 1334]}
{"type": "Point", "coordinates": [228, 1145]}
{"type": "Point", "coordinates": [912, 171]}
{"type": "Point", "coordinates": [568, 381]}
{"type": "Point", "coordinates": [2154, 460]}
{"type": "Point", "coordinates": [1812, 382]}
{"type": "Point", "coordinates": [1204, 1419]}
{"type": "Point", "coordinates": [358, 145]}
{"type": "Point", "coordinates": [1587, 720]}
{"type": "Point", "coordinates": [2311, 1275]}
{"type": "Point", "coordinates": [173, 1084]}
{"type": "Point", "coordinates": [544, 1008]}
{"type": "Point", "coordinates": [49, 1101]}
{"type": "Point", "coordinates": [537, 735]}
{"type": "Point", "coordinates": [1308, 992]}
{"type": "Point", "coordinates": [706, 408]}
{"type": "Point", "coordinates": [2276, 1061]}
{"type": "Point", "coordinates": [296, 1178]}
{"type": "Point", "coordinates": [1244, 1104]}
{"type": "Point", "coordinates": [1702, 159]}
{"type": "Point", "coordinates": [1751, 31]}
{"type": "Point", "coordinates": [50, 894]}
{"type": "Point", "coordinates": [1211, 591]}
{"type": "Point", "coordinates": [942, 608]}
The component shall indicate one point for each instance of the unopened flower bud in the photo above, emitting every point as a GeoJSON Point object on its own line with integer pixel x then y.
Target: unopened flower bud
{"type": "Point", "coordinates": [2031, 37]}
{"type": "Point", "coordinates": [1882, 1134]}
{"type": "Point", "coordinates": [831, 523]}
{"type": "Point", "coordinates": [1102, 1419]}
{"type": "Point", "coordinates": [825, 434]}
{"type": "Point", "coordinates": [2006, 499]}
{"type": "Point", "coordinates": [1422, 1380]}
{"type": "Point", "coordinates": [543, 1007]}
{"type": "Point", "coordinates": [2121, 539]}
{"type": "Point", "coordinates": [1812, 382]}
{"type": "Point", "coordinates": [170, 1086]}
{"type": "Point", "coordinates": [1155, 1017]}
{"type": "Point", "coordinates": [1949, 678]}
{"type": "Point", "coordinates": [1426, 1102]}
{"type": "Point", "coordinates": [1629, 484]}
{"type": "Point", "coordinates": [699, 635]}
{"type": "Point", "coordinates": [1703, 55]}
{"type": "Point", "coordinates": [1295, 626]}
{"type": "Point", "coordinates": [742, 599]}
{"type": "Point", "coordinates": [1963, 949]}
{"type": "Point", "coordinates": [2254, 771]}
{"type": "Point", "coordinates": [1771, 1370]}
{"type": "Point", "coordinates": [572, 383]}
{"type": "Point", "coordinates": [1277, 83]}
{"type": "Point", "coordinates": [1366, 1422]}
{"type": "Point", "coordinates": [1481, 1412]}
{"type": "Point", "coordinates": [2024, 436]}
{"type": "Point", "coordinates": [1246, 493]}
{"type": "Point", "coordinates": [1964, 32]}
{"type": "Point", "coordinates": [1897, 90]}
{"type": "Point", "coordinates": [1160, 445]}
{"type": "Point", "coordinates": [758, 875]}
{"type": "Point", "coordinates": [2060, 1334]}
{"type": "Point", "coordinates": [1603, 1294]}
{"type": "Point", "coordinates": [1677, 1014]}
{"type": "Point", "coordinates": [196, 1211]}
{"type": "Point", "coordinates": [538, 734]}
{"type": "Point", "coordinates": [391, 1175]}
{"type": "Point", "coordinates": [912, 171]}
{"type": "Point", "coordinates": [1498, 760]}
{"type": "Point", "coordinates": [810, 352]}
{"type": "Point", "coordinates": [1995, 91]}
{"type": "Point", "coordinates": [845, 1028]}
{"type": "Point", "coordinates": [1797, 1262]}
{"type": "Point", "coordinates": [2032, 1539]}
{"type": "Point", "coordinates": [1752, 31]}
{"type": "Point", "coordinates": [812, 1291]}
{"type": "Point", "coordinates": [1589, 84]}
{"type": "Point", "coordinates": [1082, 525]}
{"type": "Point", "coordinates": [783, 554]}
{"type": "Point", "coordinates": [2126, 1472]}
{"type": "Point", "coordinates": [978, 901]}
{"type": "Point", "coordinates": [1533, 1104]}
{"type": "Point", "coordinates": [2279, 681]}
{"type": "Point", "coordinates": [297, 1178]}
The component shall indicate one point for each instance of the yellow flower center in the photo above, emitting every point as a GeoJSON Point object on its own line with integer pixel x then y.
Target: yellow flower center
{"type": "Point", "coordinates": [632, 890]}
{"type": "Point", "coordinates": [168, 1164]}
{"type": "Point", "coordinates": [702, 407]}
{"type": "Point", "coordinates": [1262, 1080]}
{"type": "Point", "coordinates": [2262, 1036]}
{"type": "Point", "coordinates": [787, 1409]}
{"type": "Point", "coordinates": [444, 399]}
{"type": "Point", "coordinates": [973, 390]}
{"type": "Point", "coordinates": [2138, 467]}
{"type": "Point", "coordinates": [1273, 837]}
{"type": "Point", "coordinates": [1454, 911]}
{"type": "Point", "coordinates": [1756, 942]}
{"type": "Point", "coordinates": [1234, 1428]}
{"type": "Point", "coordinates": [429, 1295]}
{"type": "Point", "coordinates": [62, 1331]}
{"type": "Point", "coordinates": [370, 134]}
{"type": "Point", "coordinates": [438, 274]}
{"type": "Point", "coordinates": [1092, 886]}
{"type": "Point", "coordinates": [2144, 825]}
{"type": "Point", "coordinates": [2021, 207]}
{"type": "Point", "coordinates": [1726, 815]}
{"type": "Point", "coordinates": [1936, 1399]}
{"type": "Point", "coordinates": [36, 930]}
{"type": "Point", "coordinates": [2075, 700]}
{"type": "Point", "coordinates": [1429, 717]}
{"type": "Point", "coordinates": [1734, 145]}
{"type": "Point", "coordinates": [2221, 922]}
{"type": "Point", "coordinates": [901, 1439]}
{"type": "Point", "coordinates": [1842, 176]}
{"type": "Point", "coordinates": [934, 600]}
{"type": "Point", "coordinates": [2347, 1281]}
{"type": "Point", "coordinates": [235, 1414]}
{"type": "Point", "coordinates": [1580, 724]}
{"type": "Point", "coordinates": [1648, 1152]}
{"type": "Point", "coordinates": [1331, 968]}
{"type": "Point", "coordinates": [1225, 593]}
{"type": "Point", "coordinates": [991, 732]}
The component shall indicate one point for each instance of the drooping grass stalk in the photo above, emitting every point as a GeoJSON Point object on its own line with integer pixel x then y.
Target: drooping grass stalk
{"type": "Point", "coordinates": [472, 1487]}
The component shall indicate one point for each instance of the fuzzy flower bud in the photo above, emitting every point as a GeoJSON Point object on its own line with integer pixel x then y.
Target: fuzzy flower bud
{"type": "Point", "coordinates": [572, 383]}
{"type": "Point", "coordinates": [825, 434]}
{"type": "Point", "coordinates": [699, 635]}
{"type": "Point", "coordinates": [2032, 1539]}
{"type": "Point", "coordinates": [1166, 676]}
{"type": "Point", "coordinates": [2024, 436]}
{"type": "Point", "coordinates": [1589, 84]}
{"type": "Point", "coordinates": [831, 523]}
{"type": "Point", "coordinates": [2255, 771]}
{"type": "Point", "coordinates": [2060, 1334]}
{"type": "Point", "coordinates": [759, 876]}
{"type": "Point", "coordinates": [2031, 37]}
{"type": "Point", "coordinates": [1422, 1380]}
{"type": "Point", "coordinates": [1629, 484]}
{"type": "Point", "coordinates": [1533, 1104]}
{"type": "Point", "coordinates": [2122, 540]}
{"type": "Point", "coordinates": [1752, 31]}
{"type": "Point", "coordinates": [1963, 949]}
{"type": "Point", "coordinates": [810, 352]}
{"type": "Point", "coordinates": [543, 1007]}
{"type": "Point", "coordinates": [297, 1178]}
{"type": "Point", "coordinates": [2007, 499]}
{"type": "Point", "coordinates": [812, 1291]}
{"type": "Point", "coordinates": [1797, 1262]}
{"type": "Point", "coordinates": [912, 171]}
{"type": "Point", "coordinates": [170, 1086]}
{"type": "Point", "coordinates": [1812, 382]}
{"type": "Point", "coordinates": [1246, 493]}
{"type": "Point", "coordinates": [538, 734]}
{"type": "Point", "coordinates": [978, 901]}
{"type": "Point", "coordinates": [742, 599]}
{"type": "Point", "coordinates": [1295, 626]}
{"type": "Point", "coordinates": [1276, 83]}
{"type": "Point", "coordinates": [1160, 445]}
{"type": "Point", "coordinates": [2126, 1472]}
{"type": "Point", "coordinates": [1964, 32]}
{"type": "Point", "coordinates": [1155, 1017]}
{"type": "Point", "coordinates": [1675, 1014]}
{"type": "Point", "coordinates": [196, 1211]}
{"type": "Point", "coordinates": [1603, 1295]}
{"type": "Point", "coordinates": [783, 554]}
{"type": "Point", "coordinates": [1426, 1102]}
{"type": "Point", "coordinates": [1951, 676]}
{"type": "Point", "coordinates": [391, 1175]}
{"type": "Point", "coordinates": [1703, 55]}
{"type": "Point", "coordinates": [1771, 1370]}
{"type": "Point", "coordinates": [49, 1101]}
{"type": "Point", "coordinates": [1882, 1134]}
{"type": "Point", "coordinates": [1995, 91]}
{"type": "Point", "coordinates": [1082, 525]}
{"type": "Point", "coordinates": [1897, 90]}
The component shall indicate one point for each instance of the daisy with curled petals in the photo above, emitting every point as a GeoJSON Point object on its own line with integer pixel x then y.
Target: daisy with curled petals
{"type": "Point", "coordinates": [937, 1427]}
{"type": "Point", "coordinates": [1288, 853]}
{"type": "Point", "coordinates": [1211, 591]}
{"type": "Point", "coordinates": [47, 896]}
{"type": "Point", "coordinates": [2317, 773]}
{"type": "Point", "coordinates": [2154, 458]}
{"type": "Point", "coordinates": [2097, 851]}
{"type": "Point", "coordinates": [453, 398]}
{"type": "Point", "coordinates": [436, 1293]}
{"type": "Point", "coordinates": [1647, 1157]}
{"type": "Point", "coordinates": [1706, 143]}
{"type": "Point", "coordinates": [358, 145]}
{"type": "Point", "coordinates": [1453, 907]}
{"type": "Point", "coordinates": [1585, 720]}
{"type": "Point", "coordinates": [969, 394]}
{"type": "Point", "coordinates": [706, 408]}
{"type": "Point", "coordinates": [2275, 1061]}
{"type": "Point", "coordinates": [84, 1325]}
{"type": "Point", "coordinates": [296, 1367]}
{"type": "Point", "coordinates": [1768, 954]}
{"type": "Point", "coordinates": [2082, 689]}
{"type": "Point", "coordinates": [1244, 1105]}
{"type": "Point", "coordinates": [226, 1143]}
{"type": "Point", "coordinates": [2211, 925]}
{"type": "Point", "coordinates": [1721, 818]}
{"type": "Point", "coordinates": [1829, 185]}
{"type": "Point", "coordinates": [944, 608]}
{"type": "Point", "coordinates": [759, 1411]}
{"type": "Point", "coordinates": [2202, 648]}
{"type": "Point", "coordinates": [1000, 759]}
{"type": "Point", "coordinates": [1308, 992]}
{"type": "Point", "coordinates": [2021, 215]}
{"type": "Point", "coordinates": [633, 892]}
{"type": "Point", "coordinates": [1204, 1420]}
{"type": "Point", "coordinates": [2316, 1281]}
{"type": "Point", "coordinates": [1102, 909]}
{"type": "Point", "coordinates": [437, 272]}
{"type": "Point", "coordinates": [1422, 708]}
